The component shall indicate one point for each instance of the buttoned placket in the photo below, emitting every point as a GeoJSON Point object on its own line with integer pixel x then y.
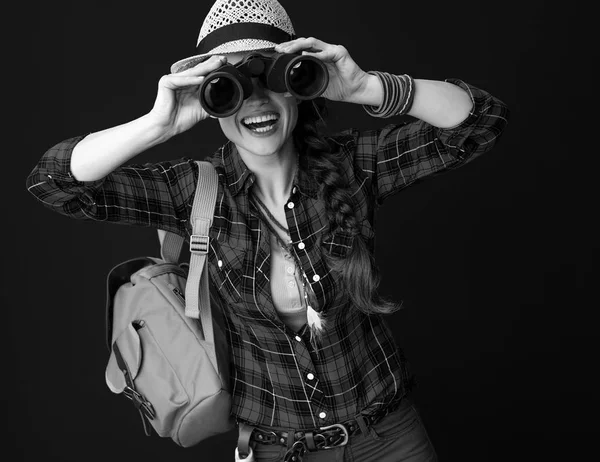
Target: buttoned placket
{"type": "Point", "coordinates": [264, 246]}
{"type": "Point", "coordinates": [301, 348]}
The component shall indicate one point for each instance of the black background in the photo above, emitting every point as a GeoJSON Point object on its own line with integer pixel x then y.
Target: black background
{"type": "Point", "coordinates": [495, 262]}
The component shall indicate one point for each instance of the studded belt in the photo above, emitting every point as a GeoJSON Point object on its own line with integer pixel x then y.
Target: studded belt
{"type": "Point", "coordinates": [301, 441]}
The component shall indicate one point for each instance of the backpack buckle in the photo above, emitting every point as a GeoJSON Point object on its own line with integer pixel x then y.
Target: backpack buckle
{"type": "Point", "coordinates": [139, 402]}
{"type": "Point", "coordinates": [199, 244]}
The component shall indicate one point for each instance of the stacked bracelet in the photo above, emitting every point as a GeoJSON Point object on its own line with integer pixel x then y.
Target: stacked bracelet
{"type": "Point", "coordinates": [398, 95]}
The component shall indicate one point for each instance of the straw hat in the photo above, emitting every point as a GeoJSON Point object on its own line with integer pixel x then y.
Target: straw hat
{"type": "Point", "coordinates": [233, 26]}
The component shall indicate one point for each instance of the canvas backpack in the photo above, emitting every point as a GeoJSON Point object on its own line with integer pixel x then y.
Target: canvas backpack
{"type": "Point", "coordinates": [165, 333]}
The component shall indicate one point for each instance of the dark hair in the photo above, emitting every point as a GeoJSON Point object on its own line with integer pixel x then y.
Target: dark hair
{"type": "Point", "coordinates": [357, 272]}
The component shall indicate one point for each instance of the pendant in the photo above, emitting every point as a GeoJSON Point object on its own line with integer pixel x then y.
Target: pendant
{"type": "Point", "coordinates": [316, 324]}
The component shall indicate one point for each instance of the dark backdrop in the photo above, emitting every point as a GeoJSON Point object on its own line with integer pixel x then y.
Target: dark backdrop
{"type": "Point", "coordinates": [495, 261]}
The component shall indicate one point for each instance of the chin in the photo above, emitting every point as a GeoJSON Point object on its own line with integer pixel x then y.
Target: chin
{"type": "Point", "coordinates": [262, 148]}
{"type": "Point", "coordinates": [262, 144]}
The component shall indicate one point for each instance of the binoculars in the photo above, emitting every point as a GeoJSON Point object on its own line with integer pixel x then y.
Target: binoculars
{"type": "Point", "coordinates": [224, 90]}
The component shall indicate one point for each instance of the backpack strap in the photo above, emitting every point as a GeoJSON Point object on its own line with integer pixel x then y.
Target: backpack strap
{"type": "Point", "coordinates": [197, 291]}
{"type": "Point", "coordinates": [171, 244]}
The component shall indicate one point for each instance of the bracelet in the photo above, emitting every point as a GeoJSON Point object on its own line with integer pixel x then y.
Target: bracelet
{"type": "Point", "coordinates": [398, 95]}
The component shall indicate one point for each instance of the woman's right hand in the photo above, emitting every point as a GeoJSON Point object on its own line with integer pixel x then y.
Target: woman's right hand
{"type": "Point", "coordinates": [177, 106]}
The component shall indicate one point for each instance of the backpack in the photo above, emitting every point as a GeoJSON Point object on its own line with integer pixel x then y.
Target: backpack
{"type": "Point", "coordinates": [168, 348]}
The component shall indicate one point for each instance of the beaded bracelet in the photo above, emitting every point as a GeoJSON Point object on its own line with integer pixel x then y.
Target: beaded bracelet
{"type": "Point", "coordinates": [398, 95]}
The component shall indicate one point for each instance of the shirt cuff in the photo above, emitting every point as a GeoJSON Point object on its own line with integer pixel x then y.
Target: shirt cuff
{"type": "Point", "coordinates": [479, 98]}
{"type": "Point", "coordinates": [456, 136]}
{"type": "Point", "coordinates": [55, 168]}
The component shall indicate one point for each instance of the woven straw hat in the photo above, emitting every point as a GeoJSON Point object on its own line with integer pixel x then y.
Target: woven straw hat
{"type": "Point", "coordinates": [233, 26]}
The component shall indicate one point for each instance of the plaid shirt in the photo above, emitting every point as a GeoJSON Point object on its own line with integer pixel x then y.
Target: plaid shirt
{"type": "Point", "coordinates": [277, 377]}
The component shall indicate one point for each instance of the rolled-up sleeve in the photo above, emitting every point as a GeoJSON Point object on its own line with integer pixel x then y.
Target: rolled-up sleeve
{"type": "Point", "coordinates": [151, 195]}
{"type": "Point", "coordinates": [397, 156]}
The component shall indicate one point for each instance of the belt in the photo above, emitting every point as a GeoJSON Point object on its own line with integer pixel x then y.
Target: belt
{"type": "Point", "coordinates": [299, 442]}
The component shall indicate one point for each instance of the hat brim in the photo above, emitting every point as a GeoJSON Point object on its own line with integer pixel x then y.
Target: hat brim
{"type": "Point", "coordinates": [236, 46]}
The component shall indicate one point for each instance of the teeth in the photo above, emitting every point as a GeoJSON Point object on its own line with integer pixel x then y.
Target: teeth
{"type": "Point", "coordinates": [258, 119]}
{"type": "Point", "coordinates": [263, 129]}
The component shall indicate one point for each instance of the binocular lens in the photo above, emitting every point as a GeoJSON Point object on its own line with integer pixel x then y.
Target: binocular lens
{"type": "Point", "coordinates": [223, 91]}
{"type": "Point", "coordinates": [306, 79]}
{"type": "Point", "coordinates": [221, 96]}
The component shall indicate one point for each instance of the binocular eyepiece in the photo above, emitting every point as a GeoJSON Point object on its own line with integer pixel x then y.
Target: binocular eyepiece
{"type": "Point", "coordinates": [224, 90]}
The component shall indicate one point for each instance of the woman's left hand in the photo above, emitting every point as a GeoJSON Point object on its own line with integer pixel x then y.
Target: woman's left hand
{"type": "Point", "coordinates": [346, 80]}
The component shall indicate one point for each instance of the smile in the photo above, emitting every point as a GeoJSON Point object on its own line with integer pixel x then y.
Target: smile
{"type": "Point", "coordinates": [262, 124]}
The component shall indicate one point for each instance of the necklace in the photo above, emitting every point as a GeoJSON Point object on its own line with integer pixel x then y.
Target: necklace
{"type": "Point", "coordinates": [314, 319]}
{"type": "Point", "coordinates": [266, 210]}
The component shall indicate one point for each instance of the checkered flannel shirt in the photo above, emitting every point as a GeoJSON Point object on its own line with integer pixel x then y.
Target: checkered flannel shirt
{"type": "Point", "coordinates": [277, 378]}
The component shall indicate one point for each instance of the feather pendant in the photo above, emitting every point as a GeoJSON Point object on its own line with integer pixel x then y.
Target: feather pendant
{"type": "Point", "coordinates": [314, 319]}
{"type": "Point", "coordinates": [316, 323]}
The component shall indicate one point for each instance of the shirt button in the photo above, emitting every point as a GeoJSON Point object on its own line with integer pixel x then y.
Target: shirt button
{"type": "Point", "coordinates": [290, 270]}
{"type": "Point", "coordinates": [301, 245]}
{"type": "Point", "coordinates": [322, 415]}
{"type": "Point", "coordinates": [220, 263]}
{"type": "Point", "coordinates": [316, 277]}
{"type": "Point", "coordinates": [310, 376]}
{"type": "Point", "coordinates": [292, 284]}
{"type": "Point", "coordinates": [298, 338]}
{"type": "Point", "coordinates": [290, 205]}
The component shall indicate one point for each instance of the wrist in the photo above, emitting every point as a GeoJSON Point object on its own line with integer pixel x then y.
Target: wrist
{"type": "Point", "coordinates": [370, 91]}
{"type": "Point", "coordinates": [398, 95]}
{"type": "Point", "coordinates": [156, 131]}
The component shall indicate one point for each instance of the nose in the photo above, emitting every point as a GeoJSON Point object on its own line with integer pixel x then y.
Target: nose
{"type": "Point", "coordinates": [259, 91]}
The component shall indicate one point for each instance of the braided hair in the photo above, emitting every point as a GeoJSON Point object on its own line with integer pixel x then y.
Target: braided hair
{"type": "Point", "coordinates": [357, 272]}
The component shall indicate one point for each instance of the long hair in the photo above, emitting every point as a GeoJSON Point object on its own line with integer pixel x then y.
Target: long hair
{"type": "Point", "coordinates": [357, 272]}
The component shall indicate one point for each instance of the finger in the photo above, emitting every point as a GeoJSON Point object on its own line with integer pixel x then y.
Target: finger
{"type": "Point", "coordinates": [203, 68]}
{"type": "Point", "coordinates": [302, 43]}
{"type": "Point", "coordinates": [332, 53]}
{"type": "Point", "coordinates": [175, 81]}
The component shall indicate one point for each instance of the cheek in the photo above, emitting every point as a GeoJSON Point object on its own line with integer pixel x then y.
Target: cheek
{"type": "Point", "coordinates": [229, 127]}
{"type": "Point", "coordinates": [292, 116]}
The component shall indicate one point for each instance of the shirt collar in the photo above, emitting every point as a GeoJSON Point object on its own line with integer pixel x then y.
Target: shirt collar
{"type": "Point", "coordinates": [239, 177]}
{"type": "Point", "coordinates": [305, 183]}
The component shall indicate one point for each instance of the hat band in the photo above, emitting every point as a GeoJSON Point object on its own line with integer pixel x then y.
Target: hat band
{"type": "Point", "coordinates": [242, 30]}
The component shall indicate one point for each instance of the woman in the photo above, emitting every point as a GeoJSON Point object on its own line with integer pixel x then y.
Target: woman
{"type": "Point", "coordinates": [316, 374]}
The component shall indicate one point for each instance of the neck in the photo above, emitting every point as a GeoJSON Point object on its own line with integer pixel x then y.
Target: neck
{"type": "Point", "coordinates": [274, 173]}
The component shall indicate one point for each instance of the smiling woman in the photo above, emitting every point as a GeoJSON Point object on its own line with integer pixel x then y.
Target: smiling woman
{"type": "Point", "coordinates": [316, 372]}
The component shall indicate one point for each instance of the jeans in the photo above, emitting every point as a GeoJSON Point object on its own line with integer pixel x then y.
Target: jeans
{"type": "Point", "coordinates": [398, 437]}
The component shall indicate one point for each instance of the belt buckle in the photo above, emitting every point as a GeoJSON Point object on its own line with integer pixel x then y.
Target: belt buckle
{"type": "Point", "coordinates": [346, 435]}
{"type": "Point", "coordinates": [258, 438]}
